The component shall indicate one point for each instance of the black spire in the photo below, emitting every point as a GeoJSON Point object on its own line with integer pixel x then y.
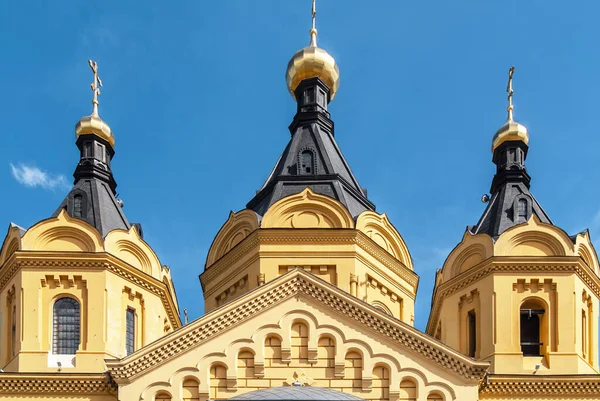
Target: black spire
{"type": "Point", "coordinates": [93, 197]}
{"type": "Point", "coordinates": [312, 158]}
{"type": "Point", "coordinates": [511, 202]}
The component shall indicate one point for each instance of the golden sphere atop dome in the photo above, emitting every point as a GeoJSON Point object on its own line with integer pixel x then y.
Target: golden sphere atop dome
{"type": "Point", "coordinates": [312, 62]}
{"type": "Point", "coordinates": [511, 131]}
{"type": "Point", "coordinates": [94, 125]}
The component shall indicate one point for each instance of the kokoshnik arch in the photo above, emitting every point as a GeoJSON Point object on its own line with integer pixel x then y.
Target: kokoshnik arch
{"type": "Point", "coordinates": [309, 291]}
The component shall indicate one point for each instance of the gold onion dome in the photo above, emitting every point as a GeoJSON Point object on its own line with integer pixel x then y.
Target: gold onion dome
{"type": "Point", "coordinates": [313, 62]}
{"type": "Point", "coordinates": [511, 130]}
{"type": "Point", "coordinates": [93, 124]}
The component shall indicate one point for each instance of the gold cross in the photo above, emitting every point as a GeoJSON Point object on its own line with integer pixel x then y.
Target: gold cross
{"type": "Point", "coordinates": [509, 90]}
{"type": "Point", "coordinates": [313, 31]}
{"type": "Point", "coordinates": [96, 85]}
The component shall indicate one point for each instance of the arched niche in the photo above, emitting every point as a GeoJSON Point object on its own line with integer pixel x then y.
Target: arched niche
{"type": "Point", "coordinates": [11, 244]}
{"type": "Point", "coordinates": [307, 210]}
{"type": "Point", "coordinates": [62, 233]}
{"type": "Point", "coordinates": [130, 248]}
{"type": "Point", "coordinates": [472, 250]}
{"type": "Point", "coordinates": [383, 233]}
{"type": "Point", "coordinates": [237, 227]}
{"type": "Point", "coordinates": [585, 250]}
{"type": "Point", "coordinates": [534, 239]}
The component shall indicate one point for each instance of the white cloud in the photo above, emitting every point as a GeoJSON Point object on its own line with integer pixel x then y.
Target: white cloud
{"type": "Point", "coordinates": [33, 177]}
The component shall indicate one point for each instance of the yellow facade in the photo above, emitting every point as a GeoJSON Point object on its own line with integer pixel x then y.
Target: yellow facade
{"type": "Point", "coordinates": [66, 258]}
{"type": "Point", "coordinates": [307, 293]}
{"type": "Point", "coordinates": [367, 259]}
{"type": "Point", "coordinates": [530, 266]}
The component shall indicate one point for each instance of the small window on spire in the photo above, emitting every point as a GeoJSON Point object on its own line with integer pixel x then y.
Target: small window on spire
{"type": "Point", "coordinates": [101, 152]}
{"type": "Point", "coordinates": [87, 150]}
{"type": "Point", "coordinates": [310, 95]}
{"type": "Point", "coordinates": [522, 210]}
{"type": "Point", "coordinates": [77, 206]}
{"type": "Point", "coordinates": [307, 163]}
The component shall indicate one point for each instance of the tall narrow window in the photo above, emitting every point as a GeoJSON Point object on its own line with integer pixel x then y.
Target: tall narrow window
{"type": "Point", "coordinates": [472, 333]}
{"type": "Point", "coordinates": [100, 152]}
{"type": "Point", "coordinates": [77, 206]}
{"type": "Point", "coordinates": [530, 332]}
{"type": "Point", "coordinates": [13, 331]}
{"type": "Point", "coordinates": [66, 327]}
{"type": "Point", "coordinates": [307, 162]}
{"type": "Point", "coordinates": [522, 210]}
{"type": "Point", "coordinates": [130, 331]}
{"type": "Point", "coordinates": [87, 149]}
{"type": "Point", "coordinates": [584, 332]}
{"type": "Point", "coordinates": [310, 95]}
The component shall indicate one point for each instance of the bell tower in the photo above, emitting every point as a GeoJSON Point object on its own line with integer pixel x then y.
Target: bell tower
{"type": "Point", "coordinates": [82, 286]}
{"type": "Point", "coordinates": [311, 213]}
{"type": "Point", "coordinates": [517, 290]}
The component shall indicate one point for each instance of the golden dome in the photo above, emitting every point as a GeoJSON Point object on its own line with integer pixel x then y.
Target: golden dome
{"type": "Point", "coordinates": [311, 62]}
{"type": "Point", "coordinates": [511, 131]}
{"type": "Point", "coordinates": [94, 125]}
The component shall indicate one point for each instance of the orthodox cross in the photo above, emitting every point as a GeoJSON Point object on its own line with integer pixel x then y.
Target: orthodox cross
{"type": "Point", "coordinates": [313, 31]}
{"type": "Point", "coordinates": [96, 85]}
{"type": "Point", "coordinates": [509, 90]}
{"type": "Point", "coordinates": [314, 14]}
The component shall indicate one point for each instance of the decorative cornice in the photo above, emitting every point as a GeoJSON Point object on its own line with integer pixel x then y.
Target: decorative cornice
{"type": "Point", "coordinates": [551, 385]}
{"type": "Point", "coordinates": [317, 236]}
{"type": "Point", "coordinates": [295, 282]}
{"type": "Point", "coordinates": [56, 383]}
{"type": "Point", "coordinates": [90, 261]}
{"type": "Point", "coordinates": [511, 264]}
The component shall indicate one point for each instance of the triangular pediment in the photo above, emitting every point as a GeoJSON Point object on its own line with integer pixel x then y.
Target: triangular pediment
{"type": "Point", "coordinates": [268, 305]}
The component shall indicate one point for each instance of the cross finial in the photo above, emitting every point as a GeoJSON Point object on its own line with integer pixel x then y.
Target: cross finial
{"type": "Point", "coordinates": [509, 90]}
{"type": "Point", "coordinates": [96, 85]}
{"type": "Point", "coordinates": [313, 31]}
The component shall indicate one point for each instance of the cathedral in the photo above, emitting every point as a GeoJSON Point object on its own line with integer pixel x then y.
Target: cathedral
{"type": "Point", "coordinates": [309, 291]}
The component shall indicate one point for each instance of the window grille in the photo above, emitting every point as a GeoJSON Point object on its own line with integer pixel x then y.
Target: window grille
{"type": "Point", "coordinates": [307, 162]}
{"type": "Point", "coordinates": [66, 327]}
{"type": "Point", "coordinates": [130, 331]}
{"type": "Point", "coordinates": [522, 209]}
{"type": "Point", "coordinates": [77, 206]}
{"type": "Point", "coordinates": [530, 331]}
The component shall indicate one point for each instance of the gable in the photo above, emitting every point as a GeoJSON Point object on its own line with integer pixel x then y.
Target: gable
{"type": "Point", "coordinates": [296, 326]}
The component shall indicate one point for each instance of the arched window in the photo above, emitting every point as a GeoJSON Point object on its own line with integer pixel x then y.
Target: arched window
{"type": "Point", "coordinates": [66, 327]}
{"type": "Point", "coordinates": [408, 390]}
{"type": "Point", "coordinates": [163, 396]}
{"type": "Point", "coordinates": [522, 210]}
{"type": "Point", "coordinates": [531, 329]}
{"type": "Point", "coordinates": [77, 206]}
{"type": "Point", "coordinates": [307, 163]}
{"type": "Point", "coordinates": [435, 396]}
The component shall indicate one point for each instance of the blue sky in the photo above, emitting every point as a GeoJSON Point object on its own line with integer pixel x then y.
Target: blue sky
{"type": "Point", "coordinates": [195, 94]}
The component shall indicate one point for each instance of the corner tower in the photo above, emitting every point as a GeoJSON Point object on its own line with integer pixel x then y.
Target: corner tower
{"type": "Point", "coordinates": [82, 286]}
{"type": "Point", "coordinates": [517, 290]}
{"type": "Point", "coordinates": [311, 212]}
